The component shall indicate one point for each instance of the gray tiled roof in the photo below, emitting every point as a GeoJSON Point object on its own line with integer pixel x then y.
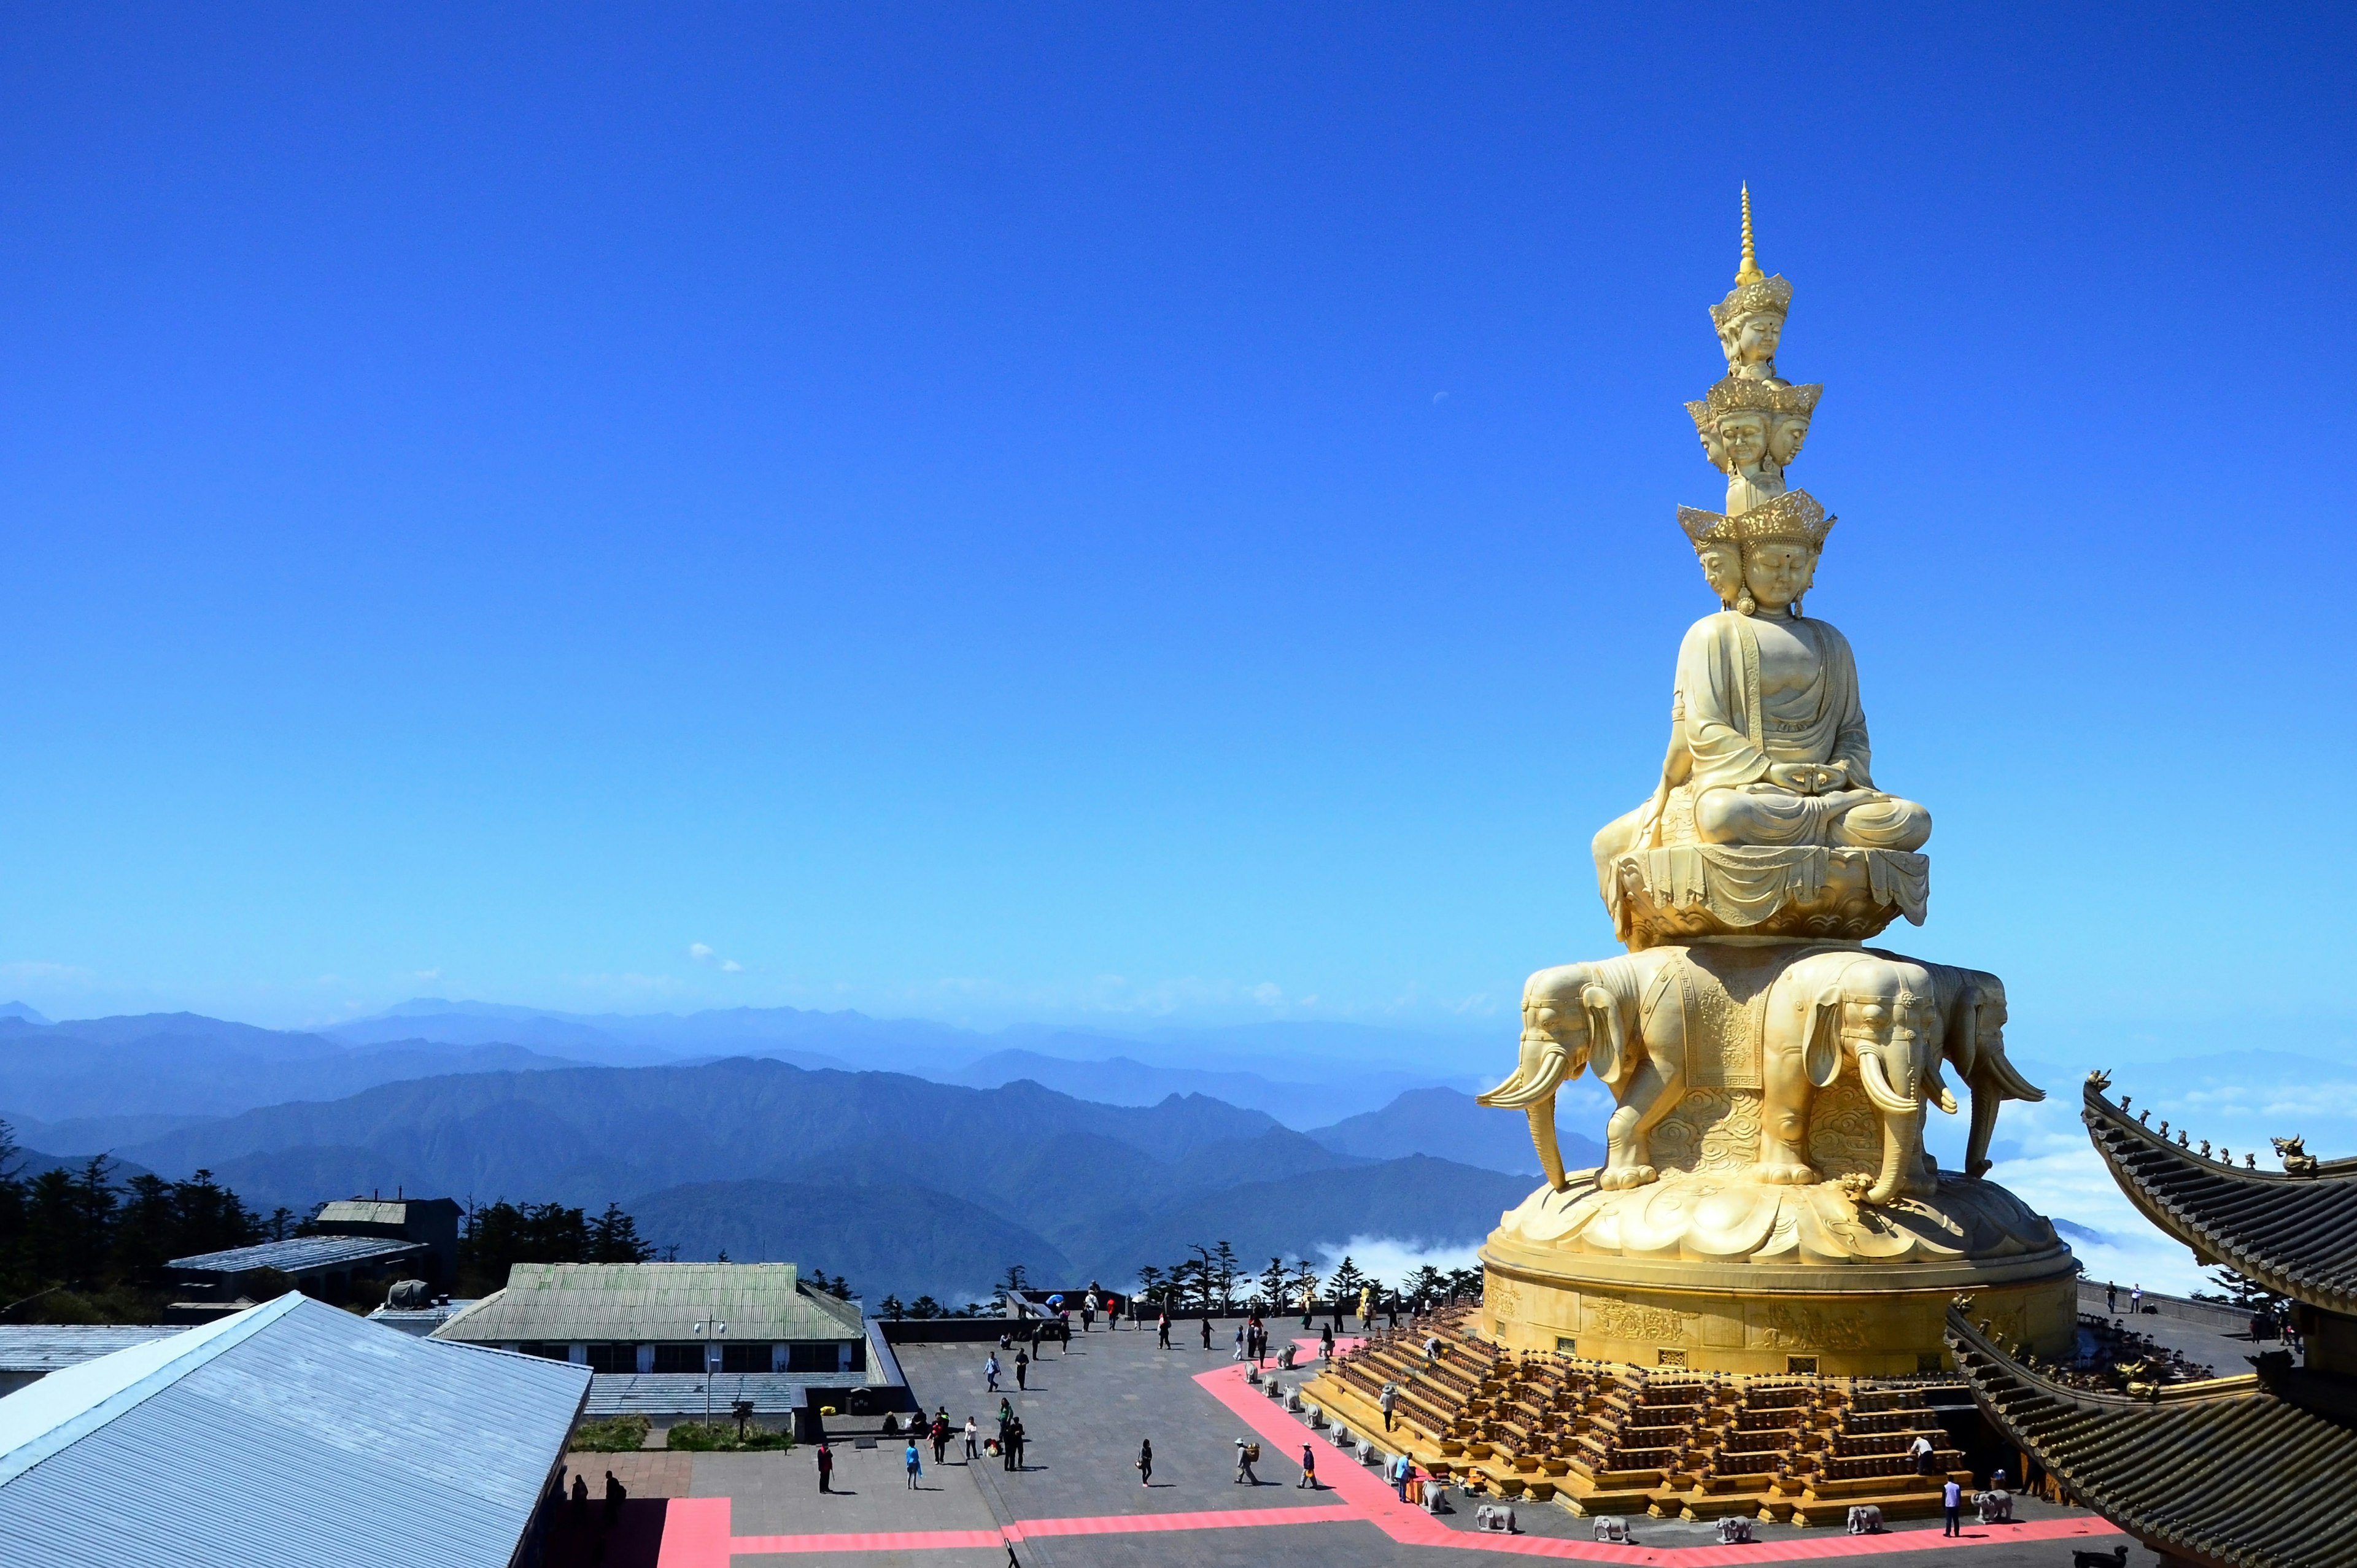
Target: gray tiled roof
{"type": "Point", "coordinates": [300, 1254]}
{"type": "Point", "coordinates": [291, 1433]}
{"type": "Point", "coordinates": [682, 1393]}
{"type": "Point", "coordinates": [2295, 1234]}
{"type": "Point", "coordinates": [2234, 1473]}
{"type": "Point", "coordinates": [644, 1302]}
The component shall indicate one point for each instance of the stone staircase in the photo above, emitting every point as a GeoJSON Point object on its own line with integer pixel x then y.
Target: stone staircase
{"type": "Point", "coordinates": [1605, 1437]}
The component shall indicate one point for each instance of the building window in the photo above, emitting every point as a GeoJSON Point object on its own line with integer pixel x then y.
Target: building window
{"type": "Point", "coordinates": [553, 1352]}
{"type": "Point", "coordinates": [1565, 1345]}
{"type": "Point", "coordinates": [1666, 1357]}
{"type": "Point", "coordinates": [613, 1358]}
{"type": "Point", "coordinates": [679, 1358]}
{"type": "Point", "coordinates": [858, 1356]}
{"type": "Point", "coordinates": [1795, 1366]}
{"type": "Point", "coordinates": [745, 1358]}
{"type": "Point", "coordinates": [825, 1356]}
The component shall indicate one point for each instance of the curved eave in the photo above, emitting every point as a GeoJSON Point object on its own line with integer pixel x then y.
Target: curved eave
{"type": "Point", "coordinates": [2296, 1235]}
{"type": "Point", "coordinates": [2233, 1479]}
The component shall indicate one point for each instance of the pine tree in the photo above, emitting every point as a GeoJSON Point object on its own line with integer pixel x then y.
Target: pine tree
{"type": "Point", "coordinates": [1272, 1284]}
{"type": "Point", "coordinates": [1348, 1281]}
{"type": "Point", "coordinates": [614, 1238]}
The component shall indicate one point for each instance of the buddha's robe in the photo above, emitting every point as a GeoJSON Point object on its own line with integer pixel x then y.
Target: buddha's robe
{"type": "Point", "coordinates": [1725, 733]}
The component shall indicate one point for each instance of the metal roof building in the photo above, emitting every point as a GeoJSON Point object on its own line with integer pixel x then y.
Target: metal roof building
{"type": "Point", "coordinates": [289, 1432]}
{"type": "Point", "coordinates": [297, 1255]}
{"type": "Point", "coordinates": [654, 1303]}
{"type": "Point", "coordinates": [30, 1351]}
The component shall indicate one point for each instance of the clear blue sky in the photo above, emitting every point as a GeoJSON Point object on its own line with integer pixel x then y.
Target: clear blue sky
{"type": "Point", "coordinates": [1004, 513]}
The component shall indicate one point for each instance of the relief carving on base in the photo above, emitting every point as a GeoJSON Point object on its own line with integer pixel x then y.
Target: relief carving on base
{"type": "Point", "coordinates": [1632, 1320]}
{"type": "Point", "coordinates": [1789, 1327]}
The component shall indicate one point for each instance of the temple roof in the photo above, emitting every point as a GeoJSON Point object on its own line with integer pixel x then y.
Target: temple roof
{"type": "Point", "coordinates": [2228, 1473]}
{"type": "Point", "coordinates": [2296, 1235]}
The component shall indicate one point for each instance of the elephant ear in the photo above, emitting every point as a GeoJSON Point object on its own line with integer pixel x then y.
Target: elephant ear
{"type": "Point", "coordinates": [1608, 1048]}
{"type": "Point", "coordinates": [1821, 1039]}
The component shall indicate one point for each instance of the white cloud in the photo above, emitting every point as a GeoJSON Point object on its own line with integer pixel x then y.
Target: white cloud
{"type": "Point", "coordinates": [1392, 1259]}
{"type": "Point", "coordinates": [730, 966]}
{"type": "Point", "coordinates": [699, 953]}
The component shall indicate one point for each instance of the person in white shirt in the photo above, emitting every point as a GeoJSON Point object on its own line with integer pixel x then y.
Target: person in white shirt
{"type": "Point", "coordinates": [1952, 1499]}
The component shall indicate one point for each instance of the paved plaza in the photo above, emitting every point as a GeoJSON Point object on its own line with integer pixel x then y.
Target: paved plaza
{"type": "Point", "coordinates": [1077, 1503]}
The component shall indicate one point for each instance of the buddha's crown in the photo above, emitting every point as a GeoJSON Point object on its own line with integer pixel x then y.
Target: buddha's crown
{"type": "Point", "coordinates": [1793, 517]}
{"type": "Point", "coordinates": [1733, 393]}
{"type": "Point", "coordinates": [1754, 290]}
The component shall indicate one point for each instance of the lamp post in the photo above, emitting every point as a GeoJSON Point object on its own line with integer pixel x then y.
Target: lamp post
{"type": "Point", "coordinates": [711, 1329]}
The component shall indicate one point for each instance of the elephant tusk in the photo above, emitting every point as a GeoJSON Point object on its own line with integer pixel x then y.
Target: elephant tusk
{"type": "Point", "coordinates": [1887, 1100]}
{"type": "Point", "coordinates": [1947, 1101]}
{"type": "Point", "coordinates": [2009, 1081]}
{"type": "Point", "coordinates": [1526, 1090]}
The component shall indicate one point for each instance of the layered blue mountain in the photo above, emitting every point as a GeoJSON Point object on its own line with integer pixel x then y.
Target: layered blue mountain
{"type": "Point", "coordinates": [1100, 1187]}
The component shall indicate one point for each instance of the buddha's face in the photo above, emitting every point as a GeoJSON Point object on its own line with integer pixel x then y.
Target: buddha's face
{"type": "Point", "coordinates": [1752, 340]}
{"type": "Point", "coordinates": [1743, 436]}
{"type": "Point", "coordinates": [1785, 443]}
{"type": "Point", "coordinates": [1723, 565]}
{"type": "Point", "coordinates": [1778, 572]}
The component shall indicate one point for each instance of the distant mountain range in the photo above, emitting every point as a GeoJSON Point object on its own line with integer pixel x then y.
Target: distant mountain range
{"type": "Point", "coordinates": [179, 1064]}
{"type": "Point", "coordinates": [768, 1133]}
{"type": "Point", "coordinates": [89, 1072]}
{"type": "Point", "coordinates": [759, 1156]}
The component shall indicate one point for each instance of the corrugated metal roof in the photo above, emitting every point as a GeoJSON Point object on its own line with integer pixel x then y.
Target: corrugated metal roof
{"type": "Point", "coordinates": [362, 1211]}
{"type": "Point", "coordinates": [642, 1303]}
{"type": "Point", "coordinates": [300, 1254]}
{"type": "Point", "coordinates": [49, 1347]}
{"type": "Point", "coordinates": [290, 1432]}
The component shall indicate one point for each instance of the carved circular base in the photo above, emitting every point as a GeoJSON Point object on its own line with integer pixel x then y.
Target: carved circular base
{"type": "Point", "coordinates": [1687, 891]}
{"type": "Point", "coordinates": [1731, 1275]}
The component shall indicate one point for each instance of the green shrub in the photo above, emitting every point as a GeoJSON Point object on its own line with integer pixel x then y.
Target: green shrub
{"type": "Point", "coordinates": [705, 1437]}
{"type": "Point", "coordinates": [611, 1434]}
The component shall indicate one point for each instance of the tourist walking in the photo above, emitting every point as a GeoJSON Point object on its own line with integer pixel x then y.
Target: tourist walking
{"type": "Point", "coordinates": [1326, 1343]}
{"type": "Point", "coordinates": [2136, 1301]}
{"type": "Point", "coordinates": [940, 1434]}
{"type": "Point", "coordinates": [915, 1466]}
{"type": "Point", "coordinates": [1386, 1402]}
{"type": "Point", "coordinates": [1207, 1331]}
{"type": "Point", "coordinates": [1020, 1438]}
{"type": "Point", "coordinates": [2112, 1297]}
{"type": "Point", "coordinates": [1244, 1477]}
{"type": "Point", "coordinates": [1162, 1332]}
{"type": "Point", "coordinates": [1240, 1343]}
{"type": "Point", "coordinates": [990, 1372]}
{"type": "Point", "coordinates": [826, 1466]}
{"type": "Point", "coordinates": [1308, 1470]}
{"type": "Point", "coordinates": [1145, 1462]}
{"type": "Point", "coordinates": [972, 1441]}
{"type": "Point", "coordinates": [1022, 1369]}
{"type": "Point", "coordinates": [1951, 1501]}
{"type": "Point", "coordinates": [616, 1494]}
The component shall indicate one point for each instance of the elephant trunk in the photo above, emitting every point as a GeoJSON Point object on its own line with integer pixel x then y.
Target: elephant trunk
{"type": "Point", "coordinates": [1550, 1153]}
{"type": "Point", "coordinates": [1901, 1106]}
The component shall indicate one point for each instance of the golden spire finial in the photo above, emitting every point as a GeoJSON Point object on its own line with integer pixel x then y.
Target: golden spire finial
{"type": "Point", "coordinates": [1750, 271]}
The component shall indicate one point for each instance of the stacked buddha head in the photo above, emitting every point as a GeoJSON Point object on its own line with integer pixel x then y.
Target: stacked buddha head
{"type": "Point", "coordinates": [1766, 819]}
